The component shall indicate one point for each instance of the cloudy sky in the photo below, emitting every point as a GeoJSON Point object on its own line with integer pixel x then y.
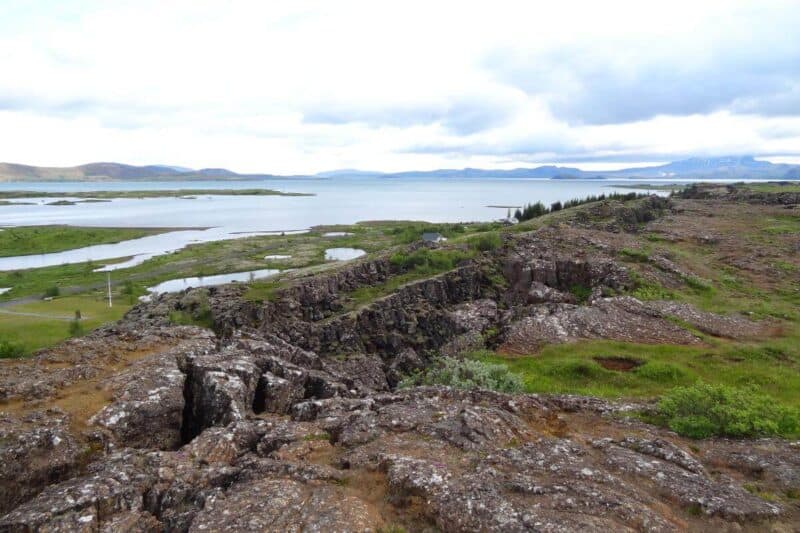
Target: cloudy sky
{"type": "Point", "coordinates": [302, 86]}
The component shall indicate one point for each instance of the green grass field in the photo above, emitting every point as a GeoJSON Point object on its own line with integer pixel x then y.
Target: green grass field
{"type": "Point", "coordinates": [34, 332]}
{"type": "Point", "coordinates": [29, 240]}
{"type": "Point", "coordinates": [773, 187]}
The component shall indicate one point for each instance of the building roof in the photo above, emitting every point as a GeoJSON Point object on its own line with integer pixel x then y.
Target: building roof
{"type": "Point", "coordinates": [432, 237]}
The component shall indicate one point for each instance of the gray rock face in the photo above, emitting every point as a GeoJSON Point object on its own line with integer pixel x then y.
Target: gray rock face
{"type": "Point", "coordinates": [148, 404]}
{"type": "Point", "coordinates": [34, 452]}
{"type": "Point", "coordinates": [222, 388]}
{"type": "Point", "coordinates": [284, 505]}
{"type": "Point", "coordinates": [620, 318]}
{"type": "Point", "coordinates": [459, 460]}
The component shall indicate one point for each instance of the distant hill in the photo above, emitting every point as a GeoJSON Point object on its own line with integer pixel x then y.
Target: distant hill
{"type": "Point", "coordinates": [729, 167]}
{"type": "Point", "coordinates": [117, 172]}
{"type": "Point", "coordinates": [348, 173]}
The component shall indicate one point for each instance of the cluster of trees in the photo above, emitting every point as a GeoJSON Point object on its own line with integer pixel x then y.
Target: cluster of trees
{"type": "Point", "coordinates": [538, 209]}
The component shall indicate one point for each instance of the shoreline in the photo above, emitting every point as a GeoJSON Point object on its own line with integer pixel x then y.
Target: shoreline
{"type": "Point", "coordinates": [137, 194]}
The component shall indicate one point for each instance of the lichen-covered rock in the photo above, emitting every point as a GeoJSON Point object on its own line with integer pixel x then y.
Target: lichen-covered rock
{"type": "Point", "coordinates": [35, 450]}
{"type": "Point", "coordinates": [112, 487]}
{"type": "Point", "coordinates": [148, 403]}
{"type": "Point", "coordinates": [221, 388]}
{"type": "Point", "coordinates": [284, 505]}
{"type": "Point", "coordinates": [276, 394]}
{"type": "Point", "coordinates": [620, 318]}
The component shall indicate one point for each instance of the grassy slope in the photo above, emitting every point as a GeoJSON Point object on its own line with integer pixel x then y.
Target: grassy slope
{"type": "Point", "coordinates": [773, 187]}
{"type": "Point", "coordinates": [772, 364]}
{"type": "Point", "coordinates": [30, 240]}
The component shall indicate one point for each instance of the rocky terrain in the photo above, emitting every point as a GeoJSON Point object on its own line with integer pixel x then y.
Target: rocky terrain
{"type": "Point", "coordinates": [287, 417]}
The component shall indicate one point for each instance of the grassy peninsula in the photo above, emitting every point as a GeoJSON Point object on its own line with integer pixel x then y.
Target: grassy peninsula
{"type": "Point", "coordinates": [173, 193]}
{"type": "Point", "coordinates": [30, 240]}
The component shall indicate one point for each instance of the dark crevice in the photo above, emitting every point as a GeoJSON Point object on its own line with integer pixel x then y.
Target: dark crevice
{"type": "Point", "coordinates": [188, 425]}
{"type": "Point", "coordinates": [259, 400]}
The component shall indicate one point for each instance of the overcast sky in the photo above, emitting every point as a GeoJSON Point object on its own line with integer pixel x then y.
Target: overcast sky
{"type": "Point", "coordinates": [300, 87]}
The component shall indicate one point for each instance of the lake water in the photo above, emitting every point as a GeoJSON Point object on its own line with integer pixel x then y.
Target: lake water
{"type": "Point", "coordinates": [336, 201]}
{"type": "Point", "coordinates": [175, 285]}
{"type": "Point", "coordinates": [343, 254]}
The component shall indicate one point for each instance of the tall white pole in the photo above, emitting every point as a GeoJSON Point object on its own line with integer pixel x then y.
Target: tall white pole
{"type": "Point", "coordinates": [109, 289]}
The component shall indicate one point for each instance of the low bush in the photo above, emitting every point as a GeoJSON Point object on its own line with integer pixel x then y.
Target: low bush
{"type": "Point", "coordinates": [11, 350]}
{"type": "Point", "coordinates": [52, 292]}
{"type": "Point", "coordinates": [466, 374]}
{"type": "Point", "coordinates": [698, 284]}
{"type": "Point", "coordinates": [429, 260]}
{"type": "Point", "coordinates": [75, 328]}
{"type": "Point", "coordinates": [704, 410]}
{"type": "Point", "coordinates": [632, 254]}
{"type": "Point", "coordinates": [485, 241]}
{"type": "Point", "coordinates": [581, 292]}
{"type": "Point", "coordinates": [200, 316]}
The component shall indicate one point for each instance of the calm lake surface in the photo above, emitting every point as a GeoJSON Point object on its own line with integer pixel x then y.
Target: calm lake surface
{"type": "Point", "coordinates": [337, 201]}
{"type": "Point", "coordinates": [175, 285]}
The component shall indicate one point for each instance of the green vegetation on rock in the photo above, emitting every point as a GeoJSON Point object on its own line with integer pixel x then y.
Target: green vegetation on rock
{"type": "Point", "coordinates": [466, 374]}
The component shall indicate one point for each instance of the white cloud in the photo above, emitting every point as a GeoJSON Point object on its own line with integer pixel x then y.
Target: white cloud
{"type": "Point", "coordinates": [314, 85]}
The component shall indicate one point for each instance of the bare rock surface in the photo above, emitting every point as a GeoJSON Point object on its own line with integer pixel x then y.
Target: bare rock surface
{"type": "Point", "coordinates": [35, 450]}
{"type": "Point", "coordinates": [423, 458]}
{"type": "Point", "coordinates": [619, 318]}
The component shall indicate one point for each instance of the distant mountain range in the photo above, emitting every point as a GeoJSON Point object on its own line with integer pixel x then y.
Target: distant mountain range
{"type": "Point", "coordinates": [731, 167]}
{"type": "Point", "coordinates": [117, 172]}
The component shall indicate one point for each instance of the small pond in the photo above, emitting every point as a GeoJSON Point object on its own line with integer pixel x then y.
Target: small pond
{"type": "Point", "coordinates": [175, 285]}
{"type": "Point", "coordinates": [277, 257]}
{"type": "Point", "coordinates": [337, 234]}
{"type": "Point", "coordinates": [343, 254]}
{"type": "Point", "coordinates": [4, 290]}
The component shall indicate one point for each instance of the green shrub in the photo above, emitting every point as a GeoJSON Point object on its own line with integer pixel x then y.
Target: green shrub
{"type": "Point", "coordinates": [485, 242]}
{"type": "Point", "coordinates": [11, 350]}
{"type": "Point", "coordinates": [200, 316]}
{"type": "Point", "coordinates": [431, 260]}
{"type": "Point", "coordinates": [75, 328]}
{"type": "Point", "coordinates": [660, 372]}
{"type": "Point", "coordinates": [632, 254]}
{"type": "Point", "coordinates": [697, 284]}
{"type": "Point", "coordinates": [581, 292]}
{"type": "Point", "coordinates": [52, 292]}
{"type": "Point", "coordinates": [703, 410]}
{"type": "Point", "coordinates": [466, 374]}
